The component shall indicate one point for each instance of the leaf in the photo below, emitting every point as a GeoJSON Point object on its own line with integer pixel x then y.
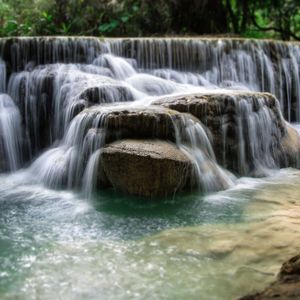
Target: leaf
{"type": "Point", "coordinates": [114, 24]}
{"type": "Point", "coordinates": [108, 27]}
{"type": "Point", "coordinates": [104, 27]}
{"type": "Point", "coordinates": [11, 26]}
{"type": "Point", "coordinates": [135, 7]}
{"type": "Point", "coordinates": [125, 19]}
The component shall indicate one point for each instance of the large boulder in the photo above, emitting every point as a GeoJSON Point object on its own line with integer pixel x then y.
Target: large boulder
{"type": "Point", "coordinates": [287, 285]}
{"type": "Point", "coordinates": [248, 131]}
{"type": "Point", "coordinates": [148, 168]}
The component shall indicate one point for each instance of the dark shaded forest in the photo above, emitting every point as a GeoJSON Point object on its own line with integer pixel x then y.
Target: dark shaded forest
{"type": "Point", "coordinates": [247, 18]}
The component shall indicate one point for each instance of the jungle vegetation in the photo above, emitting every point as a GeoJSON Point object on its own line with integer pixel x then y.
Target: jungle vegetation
{"type": "Point", "coordinates": [247, 18]}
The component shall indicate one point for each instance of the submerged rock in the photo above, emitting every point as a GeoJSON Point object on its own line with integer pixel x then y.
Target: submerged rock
{"type": "Point", "coordinates": [287, 285]}
{"type": "Point", "coordinates": [146, 168]}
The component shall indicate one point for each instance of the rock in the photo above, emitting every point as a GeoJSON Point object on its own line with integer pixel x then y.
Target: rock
{"type": "Point", "coordinates": [135, 122]}
{"type": "Point", "coordinates": [3, 164]}
{"type": "Point", "coordinates": [148, 168]}
{"type": "Point", "coordinates": [154, 122]}
{"type": "Point", "coordinates": [291, 146]}
{"type": "Point", "coordinates": [245, 126]}
{"type": "Point", "coordinates": [205, 106]}
{"type": "Point", "coordinates": [107, 93]}
{"type": "Point", "coordinates": [290, 270]}
{"type": "Point", "coordinates": [287, 285]}
{"type": "Point", "coordinates": [3, 160]}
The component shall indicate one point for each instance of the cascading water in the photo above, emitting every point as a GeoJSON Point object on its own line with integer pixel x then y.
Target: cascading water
{"type": "Point", "coordinates": [229, 63]}
{"type": "Point", "coordinates": [257, 136]}
{"type": "Point", "coordinates": [10, 134]}
{"type": "Point", "coordinates": [256, 65]}
{"type": "Point", "coordinates": [2, 76]}
{"type": "Point", "coordinates": [51, 95]}
{"type": "Point", "coordinates": [192, 139]}
{"type": "Point", "coordinates": [64, 165]}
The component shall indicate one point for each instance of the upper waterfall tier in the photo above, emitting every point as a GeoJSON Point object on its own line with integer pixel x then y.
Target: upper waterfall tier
{"type": "Point", "coordinates": [267, 66]}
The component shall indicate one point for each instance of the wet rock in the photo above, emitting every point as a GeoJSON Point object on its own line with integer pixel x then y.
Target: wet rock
{"type": "Point", "coordinates": [107, 93]}
{"type": "Point", "coordinates": [146, 168]}
{"type": "Point", "coordinates": [135, 122]}
{"type": "Point", "coordinates": [3, 164]}
{"type": "Point", "coordinates": [209, 105]}
{"type": "Point", "coordinates": [291, 146]}
{"type": "Point", "coordinates": [3, 160]}
{"type": "Point", "coordinates": [245, 126]}
{"type": "Point", "coordinates": [287, 285]}
{"type": "Point", "coordinates": [290, 271]}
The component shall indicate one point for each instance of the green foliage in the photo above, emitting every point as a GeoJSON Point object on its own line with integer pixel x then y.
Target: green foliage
{"type": "Point", "coordinates": [119, 20]}
{"type": "Point", "coordinates": [109, 27]}
{"type": "Point", "coordinates": [248, 18]}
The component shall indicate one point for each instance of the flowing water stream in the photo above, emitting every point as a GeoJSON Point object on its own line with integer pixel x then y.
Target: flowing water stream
{"type": "Point", "coordinates": [61, 239]}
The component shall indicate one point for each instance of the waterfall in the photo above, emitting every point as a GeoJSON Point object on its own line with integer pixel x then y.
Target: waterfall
{"type": "Point", "coordinates": [65, 164]}
{"type": "Point", "coordinates": [62, 91]}
{"type": "Point", "coordinates": [50, 96]}
{"type": "Point", "coordinates": [249, 131]}
{"type": "Point", "coordinates": [2, 76]}
{"type": "Point", "coordinates": [10, 134]}
{"type": "Point", "coordinates": [257, 138]}
{"type": "Point", "coordinates": [266, 66]}
{"type": "Point", "coordinates": [74, 163]}
{"type": "Point", "coordinates": [192, 139]}
{"type": "Point", "coordinates": [45, 50]}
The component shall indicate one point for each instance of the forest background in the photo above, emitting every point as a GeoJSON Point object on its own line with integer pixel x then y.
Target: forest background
{"type": "Point", "coordinates": [278, 19]}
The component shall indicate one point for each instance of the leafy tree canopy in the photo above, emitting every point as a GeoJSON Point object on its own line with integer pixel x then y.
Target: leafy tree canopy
{"type": "Point", "coordinates": [250, 18]}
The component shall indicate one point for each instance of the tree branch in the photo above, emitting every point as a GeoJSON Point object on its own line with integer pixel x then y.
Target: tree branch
{"type": "Point", "coordinates": [280, 30]}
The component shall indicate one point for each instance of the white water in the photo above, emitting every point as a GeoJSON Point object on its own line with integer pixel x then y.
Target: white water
{"type": "Point", "coordinates": [195, 143]}
{"type": "Point", "coordinates": [2, 76]}
{"type": "Point", "coordinates": [255, 65]}
{"type": "Point", "coordinates": [10, 133]}
{"type": "Point", "coordinates": [257, 137]}
{"type": "Point", "coordinates": [50, 98]}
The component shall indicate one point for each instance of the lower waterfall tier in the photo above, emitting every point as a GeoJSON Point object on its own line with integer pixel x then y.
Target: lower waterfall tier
{"type": "Point", "coordinates": [180, 142]}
